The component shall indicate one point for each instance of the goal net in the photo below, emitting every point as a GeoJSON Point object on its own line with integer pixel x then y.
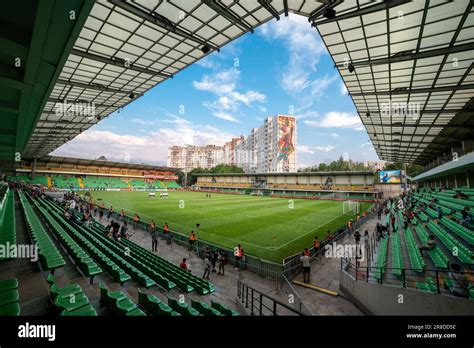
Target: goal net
{"type": "Point", "coordinates": [350, 207]}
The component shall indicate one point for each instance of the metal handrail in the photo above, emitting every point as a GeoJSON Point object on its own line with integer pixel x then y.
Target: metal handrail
{"type": "Point", "coordinates": [245, 293]}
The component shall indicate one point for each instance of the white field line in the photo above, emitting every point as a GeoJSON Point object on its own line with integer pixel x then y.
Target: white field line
{"type": "Point", "coordinates": [235, 240]}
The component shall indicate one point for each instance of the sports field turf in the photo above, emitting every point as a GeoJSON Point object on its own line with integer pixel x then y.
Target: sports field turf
{"type": "Point", "coordinates": [228, 220]}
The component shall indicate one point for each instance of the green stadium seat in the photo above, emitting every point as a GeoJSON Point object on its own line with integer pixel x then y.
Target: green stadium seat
{"type": "Point", "coordinates": [223, 309]}
{"type": "Point", "coordinates": [71, 302]}
{"type": "Point", "coordinates": [8, 284]}
{"type": "Point", "coordinates": [9, 296]}
{"type": "Point", "coordinates": [11, 309]}
{"type": "Point", "coordinates": [85, 311]}
{"type": "Point", "coordinates": [149, 302]}
{"type": "Point", "coordinates": [73, 289]}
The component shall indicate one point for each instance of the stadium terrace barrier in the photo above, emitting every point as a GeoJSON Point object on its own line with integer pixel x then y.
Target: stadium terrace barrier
{"type": "Point", "coordinates": [433, 281]}
{"type": "Point", "coordinates": [290, 267]}
{"type": "Point", "coordinates": [285, 286]}
{"type": "Point", "coordinates": [292, 264]}
{"type": "Point", "coordinates": [256, 302]}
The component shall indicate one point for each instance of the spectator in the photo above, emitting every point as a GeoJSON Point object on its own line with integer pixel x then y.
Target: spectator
{"type": "Point", "coordinates": [221, 261]}
{"type": "Point", "coordinates": [350, 226]}
{"type": "Point", "coordinates": [213, 258]}
{"type": "Point", "coordinates": [207, 267]}
{"type": "Point", "coordinates": [430, 244]}
{"type": "Point", "coordinates": [306, 251]}
{"type": "Point", "coordinates": [238, 252]}
{"type": "Point", "coordinates": [136, 220]}
{"type": "Point", "coordinates": [124, 229]}
{"type": "Point", "coordinates": [460, 283]}
{"type": "Point", "coordinates": [316, 244]}
{"type": "Point", "coordinates": [166, 232]}
{"type": "Point", "coordinates": [357, 236]}
{"type": "Point", "coordinates": [122, 215]}
{"type": "Point", "coordinates": [440, 213]}
{"type": "Point", "coordinates": [110, 212]}
{"type": "Point", "coordinates": [112, 228]}
{"type": "Point", "coordinates": [192, 239]}
{"type": "Point", "coordinates": [154, 236]}
{"type": "Point", "coordinates": [305, 262]}
{"type": "Point", "coordinates": [466, 218]}
{"type": "Point", "coordinates": [184, 265]}
{"type": "Point", "coordinates": [329, 237]}
{"type": "Point", "coordinates": [365, 239]}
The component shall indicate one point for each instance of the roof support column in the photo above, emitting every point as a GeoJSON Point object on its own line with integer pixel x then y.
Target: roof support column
{"type": "Point", "coordinates": [33, 169]}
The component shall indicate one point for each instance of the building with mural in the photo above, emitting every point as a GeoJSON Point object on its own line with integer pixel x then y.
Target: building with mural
{"type": "Point", "coordinates": [270, 148]}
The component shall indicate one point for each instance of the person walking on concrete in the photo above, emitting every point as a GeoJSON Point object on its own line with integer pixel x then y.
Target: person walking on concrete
{"type": "Point", "coordinates": [221, 261]}
{"type": "Point", "coordinates": [207, 267]}
{"type": "Point", "coordinates": [306, 267]}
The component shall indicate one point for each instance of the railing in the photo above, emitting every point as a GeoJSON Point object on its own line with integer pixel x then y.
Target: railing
{"type": "Point", "coordinates": [292, 264]}
{"type": "Point", "coordinates": [258, 303]}
{"type": "Point", "coordinates": [438, 281]}
{"type": "Point", "coordinates": [288, 289]}
{"type": "Point", "coordinates": [254, 264]}
{"type": "Point", "coordinates": [268, 269]}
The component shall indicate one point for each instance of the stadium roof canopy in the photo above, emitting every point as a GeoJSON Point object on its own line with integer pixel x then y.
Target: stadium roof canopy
{"type": "Point", "coordinates": [99, 163]}
{"type": "Point", "coordinates": [114, 51]}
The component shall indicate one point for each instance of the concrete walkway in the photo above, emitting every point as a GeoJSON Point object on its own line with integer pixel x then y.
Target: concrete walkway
{"type": "Point", "coordinates": [325, 273]}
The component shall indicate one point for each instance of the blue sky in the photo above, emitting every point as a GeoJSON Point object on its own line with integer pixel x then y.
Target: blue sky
{"type": "Point", "coordinates": [283, 68]}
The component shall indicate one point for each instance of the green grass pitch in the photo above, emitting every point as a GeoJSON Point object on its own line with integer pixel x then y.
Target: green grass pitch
{"type": "Point", "coordinates": [228, 220]}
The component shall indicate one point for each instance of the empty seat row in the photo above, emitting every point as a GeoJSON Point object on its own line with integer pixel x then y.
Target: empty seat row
{"type": "Point", "coordinates": [397, 258]}
{"type": "Point", "coordinates": [458, 229]}
{"type": "Point", "coordinates": [154, 306]}
{"type": "Point", "coordinates": [70, 300]}
{"type": "Point", "coordinates": [459, 250]}
{"type": "Point", "coordinates": [111, 263]}
{"type": "Point", "coordinates": [7, 220]}
{"type": "Point", "coordinates": [416, 259]}
{"type": "Point", "coordinates": [381, 262]}
{"type": "Point", "coordinates": [83, 260]}
{"type": "Point", "coordinates": [438, 257]}
{"type": "Point", "coordinates": [118, 302]}
{"type": "Point", "coordinates": [49, 255]}
{"type": "Point", "coordinates": [9, 297]}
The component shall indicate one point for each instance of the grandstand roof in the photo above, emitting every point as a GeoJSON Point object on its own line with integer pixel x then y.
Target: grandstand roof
{"type": "Point", "coordinates": [406, 52]}
{"type": "Point", "coordinates": [402, 52]}
{"type": "Point", "coordinates": [340, 172]}
{"type": "Point", "coordinates": [462, 164]}
{"type": "Point", "coordinates": [99, 163]}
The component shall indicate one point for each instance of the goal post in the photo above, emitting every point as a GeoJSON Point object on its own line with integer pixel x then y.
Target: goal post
{"type": "Point", "coordinates": [350, 207]}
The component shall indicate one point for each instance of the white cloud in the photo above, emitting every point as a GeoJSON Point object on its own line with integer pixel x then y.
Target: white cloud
{"type": "Point", "coordinates": [326, 148]}
{"type": "Point", "coordinates": [343, 89]}
{"type": "Point", "coordinates": [334, 135]}
{"type": "Point", "coordinates": [151, 147]}
{"type": "Point", "coordinates": [176, 120]}
{"type": "Point", "coordinates": [304, 46]}
{"type": "Point", "coordinates": [335, 119]}
{"type": "Point", "coordinates": [305, 149]}
{"type": "Point", "coordinates": [224, 85]}
{"type": "Point", "coordinates": [262, 108]}
{"type": "Point", "coordinates": [220, 83]}
{"type": "Point", "coordinates": [225, 116]}
{"type": "Point", "coordinates": [314, 149]}
{"type": "Point", "coordinates": [142, 121]}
